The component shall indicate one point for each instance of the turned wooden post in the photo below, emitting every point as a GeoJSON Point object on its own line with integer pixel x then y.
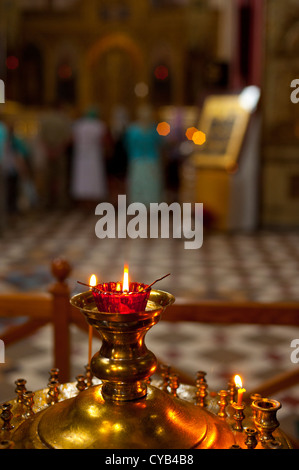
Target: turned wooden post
{"type": "Point", "coordinates": [61, 318]}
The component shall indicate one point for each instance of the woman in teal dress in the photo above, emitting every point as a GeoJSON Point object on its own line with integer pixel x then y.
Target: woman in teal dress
{"type": "Point", "coordinates": [145, 173]}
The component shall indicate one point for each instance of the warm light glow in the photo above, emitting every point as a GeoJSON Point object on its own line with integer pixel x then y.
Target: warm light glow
{"type": "Point", "coordinates": [241, 391]}
{"type": "Point", "coordinates": [12, 62]}
{"type": "Point", "coordinates": [161, 72]}
{"type": "Point", "coordinates": [141, 90]}
{"type": "Point", "coordinates": [65, 72]}
{"type": "Point", "coordinates": [163, 128]}
{"type": "Point", "coordinates": [93, 280]}
{"type": "Point", "coordinates": [126, 279]}
{"type": "Point", "coordinates": [190, 131]}
{"type": "Point", "coordinates": [238, 381]}
{"type": "Point", "coordinates": [199, 137]}
{"type": "Point", "coordinates": [118, 287]}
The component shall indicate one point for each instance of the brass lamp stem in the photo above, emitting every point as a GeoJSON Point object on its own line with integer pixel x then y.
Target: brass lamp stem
{"type": "Point", "coordinates": [123, 363]}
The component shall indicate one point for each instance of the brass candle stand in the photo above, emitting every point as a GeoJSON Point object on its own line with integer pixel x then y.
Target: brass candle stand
{"type": "Point", "coordinates": [266, 418]}
{"type": "Point", "coordinates": [238, 416]}
{"type": "Point", "coordinates": [121, 403]}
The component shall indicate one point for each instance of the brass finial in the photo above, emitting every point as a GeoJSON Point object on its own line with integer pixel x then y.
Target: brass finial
{"type": "Point", "coordinates": [81, 384]}
{"type": "Point", "coordinates": [165, 373]}
{"type": "Point", "coordinates": [20, 390]}
{"type": "Point", "coordinates": [53, 392]}
{"type": "Point", "coordinates": [201, 388]}
{"type": "Point", "coordinates": [251, 438]}
{"type": "Point", "coordinates": [88, 376]}
{"type": "Point", "coordinates": [238, 416]}
{"type": "Point", "coordinates": [223, 394]}
{"type": "Point", "coordinates": [253, 397]}
{"type": "Point", "coordinates": [200, 377]}
{"type": "Point", "coordinates": [29, 402]}
{"type": "Point", "coordinates": [232, 391]}
{"type": "Point", "coordinates": [174, 384]}
{"type": "Point", "coordinates": [6, 417]}
{"type": "Point", "coordinates": [201, 394]}
{"type": "Point", "coordinates": [54, 375]}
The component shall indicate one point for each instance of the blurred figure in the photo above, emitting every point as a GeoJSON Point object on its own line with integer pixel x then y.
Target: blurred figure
{"type": "Point", "coordinates": [3, 135]}
{"type": "Point", "coordinates": [55, 135]}
{"type": "Point", "coordinates": [118, 162]}
{"type": "Point", "coordinates": [144, 144]}
{"type": "Point", "coordinates": [89, 178]}
{"type": "Point", "coordinates": [15, 167]}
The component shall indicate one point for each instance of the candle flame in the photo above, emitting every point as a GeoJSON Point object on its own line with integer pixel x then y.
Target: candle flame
{"type": "Point", "coordinates": [238, 381]}
{"type": "Point", "coordinates": [93, 280]}
{"type": "Point", "coordinates": [126, 279]}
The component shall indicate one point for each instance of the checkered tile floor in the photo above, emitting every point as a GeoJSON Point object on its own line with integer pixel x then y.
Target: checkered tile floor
{"type": "Point", "coordinates": [263, 266]}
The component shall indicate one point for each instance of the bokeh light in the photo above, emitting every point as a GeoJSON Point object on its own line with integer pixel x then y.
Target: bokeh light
{"type": "Point", "coordinates": [163, 128]}
{"type": "Point", "coordinates": [199, 137]}
{"type": "Point", "coordinates": [12, 62]}
{"type": "Point", "coordinates": [65, 71]}
{"type": "Point", "coordinates": [190, 131]}
{"type": "Point", "coordinates": [141, 90]}
{"type": "Point", "coordinates": [161, 72]}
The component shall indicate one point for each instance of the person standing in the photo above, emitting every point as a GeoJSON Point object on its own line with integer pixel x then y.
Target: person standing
{"type": "Point", "coordinates": [144, 145]}
{"type": "Point", "coordinates": [88, 175]}
{"type": "Point", "coordinates": [3, 137]}
{"type": "Point", "coordinates": [55, 135]}
{"type": "Point", "coordinates": [15, 167]}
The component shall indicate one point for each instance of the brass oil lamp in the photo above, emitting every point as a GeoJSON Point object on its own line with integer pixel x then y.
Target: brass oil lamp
{"type": "Point", "coordinates": [122, 407]}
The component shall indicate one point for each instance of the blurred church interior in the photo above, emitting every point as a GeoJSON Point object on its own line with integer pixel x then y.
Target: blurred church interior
{"type": "Point", "coordinates": [192, 62]}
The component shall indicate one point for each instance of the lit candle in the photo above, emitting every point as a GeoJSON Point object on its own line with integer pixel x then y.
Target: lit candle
{"type": "Point", "coordinates": [92, 282]}
{"type": "Point", "coordinates": [120, 297]}
{"type": "Point", "coordinates": [126, 285]}
{"type": "Point", "coordinates": [241, 390]}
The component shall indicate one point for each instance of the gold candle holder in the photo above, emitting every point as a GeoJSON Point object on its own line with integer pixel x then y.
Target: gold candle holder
{"type": "Point", "coordinates": [123, 410]}
{"type": "Point", "coordinates": [238, 416]}
{"type": "Point", "coordinates": [251, 438]}
{"type": "Point", "coordinates": [265, 411]}
{"type": "Point", "coordinates": [223, 394]}
{"type": "Point", "coordinates": [20, 390]}
{"type": "Point", "coordinates": [123, 364]}
{"type": "Point", "coordinates": [6, 417]}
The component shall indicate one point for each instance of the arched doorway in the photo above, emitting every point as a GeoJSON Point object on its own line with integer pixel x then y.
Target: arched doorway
{"type": "Point", "coordinates": [115, 65]}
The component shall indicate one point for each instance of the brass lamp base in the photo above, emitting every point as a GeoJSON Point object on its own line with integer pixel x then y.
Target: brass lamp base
{"type": "Point", "coordinates": [122, 410]}
{"type": "Point", "coordinates": [158, 421]}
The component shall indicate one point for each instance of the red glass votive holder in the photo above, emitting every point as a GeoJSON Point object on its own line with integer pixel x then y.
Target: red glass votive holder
{"type": "Point", "coordinates": [110, 298]}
